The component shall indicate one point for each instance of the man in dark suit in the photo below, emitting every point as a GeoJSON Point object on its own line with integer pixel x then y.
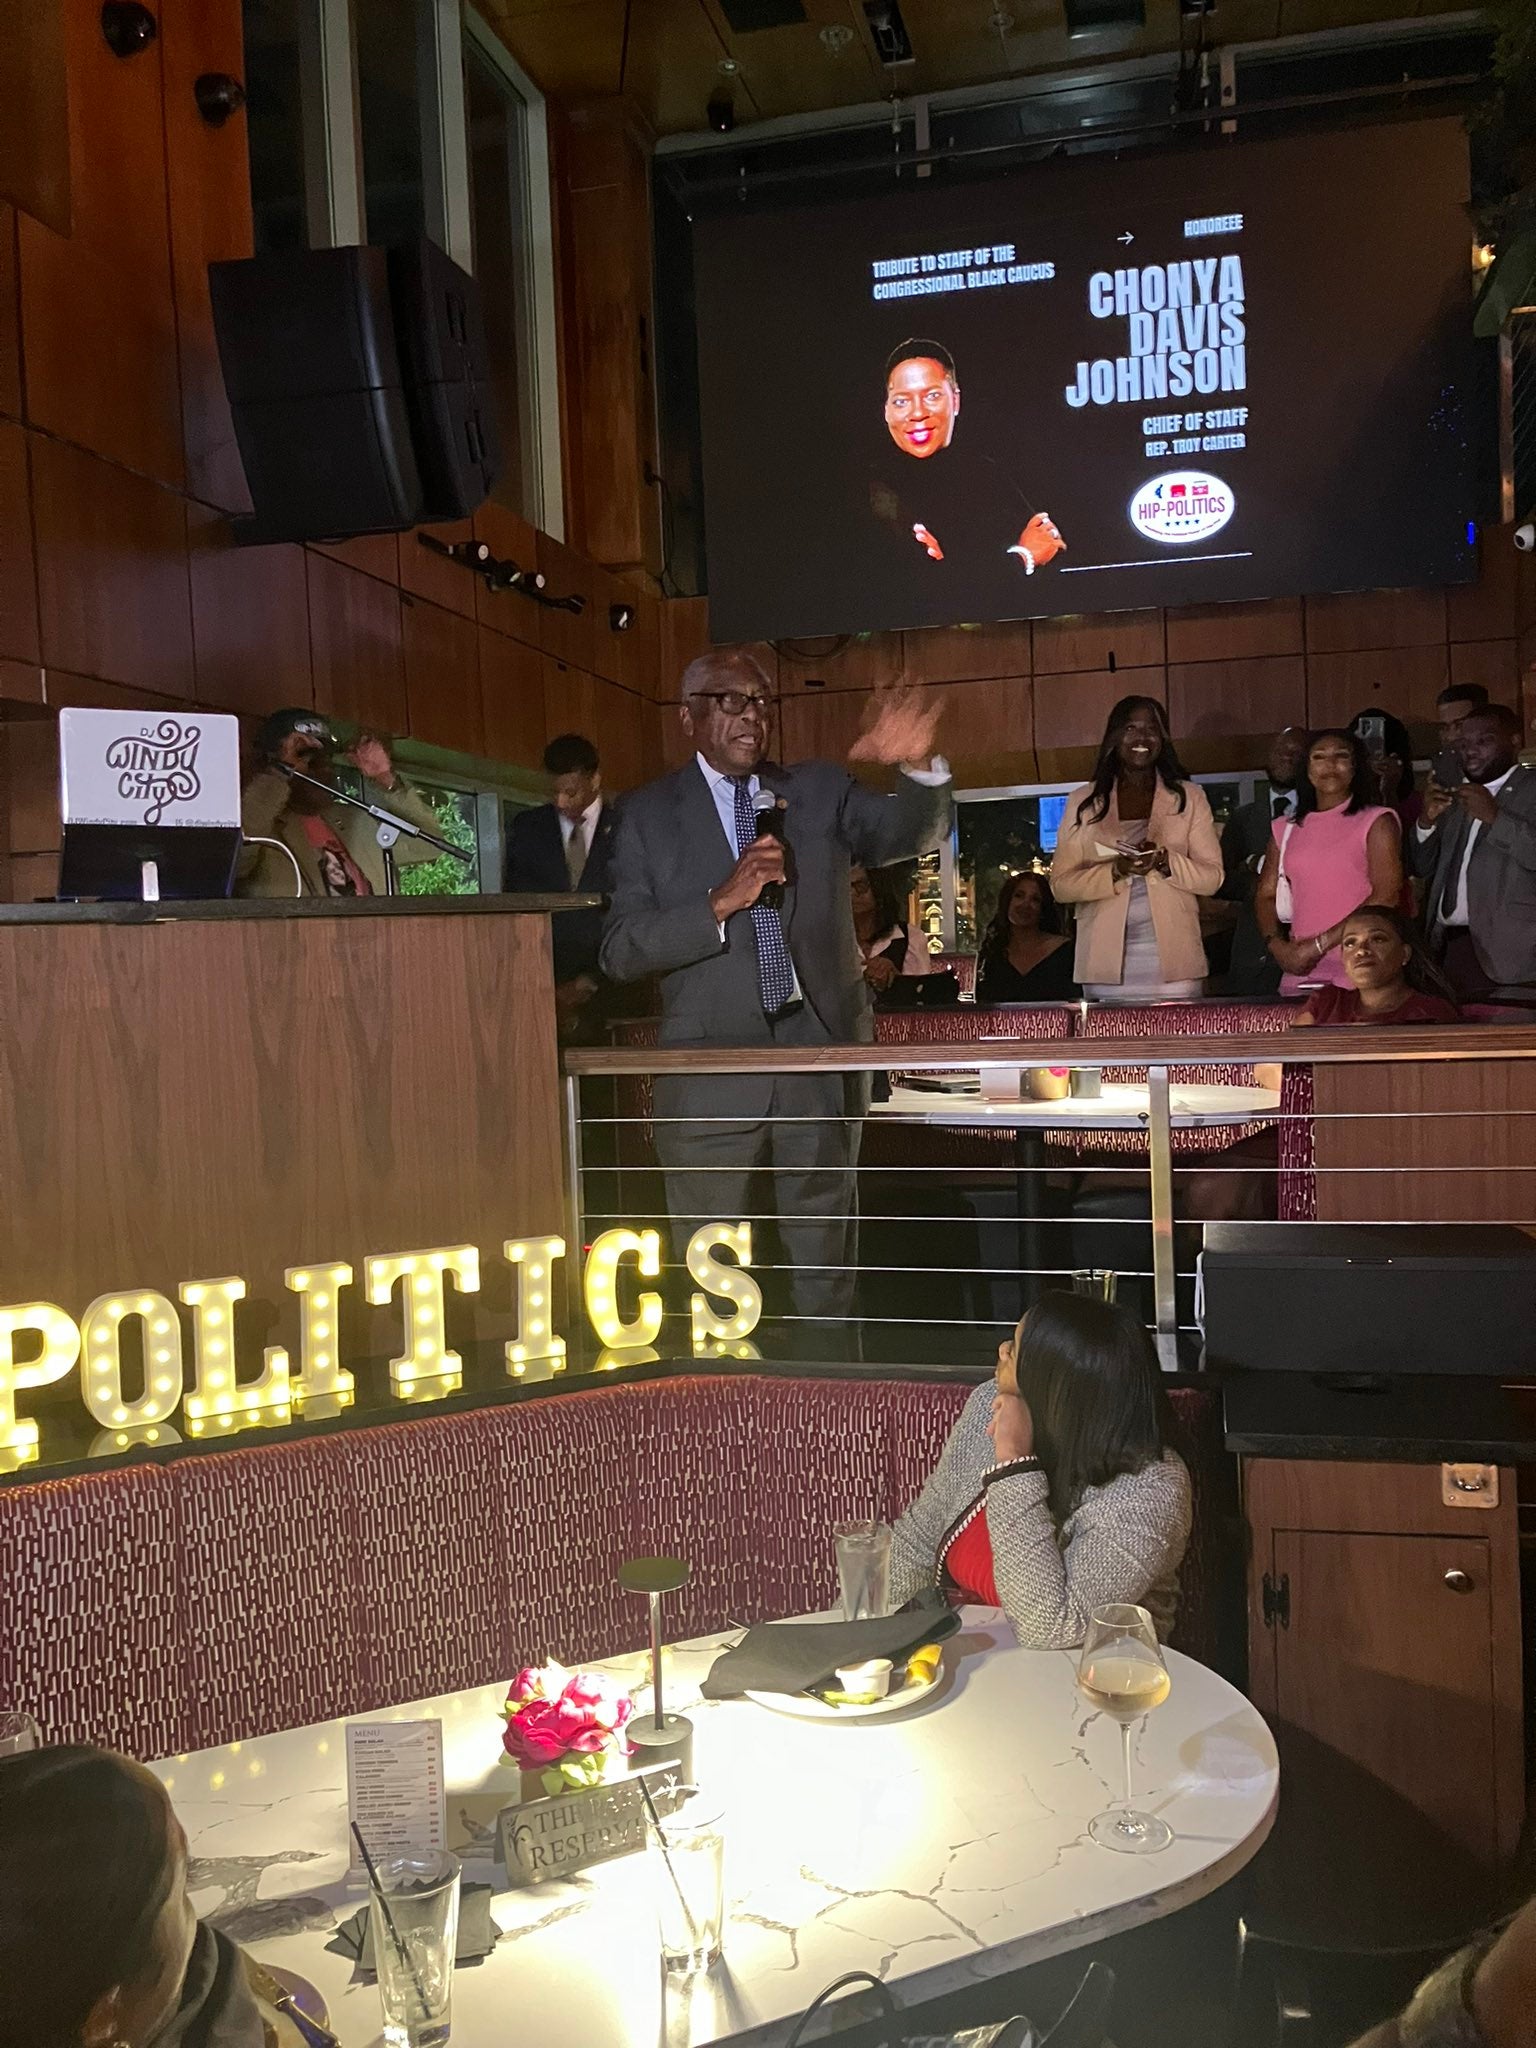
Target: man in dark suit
{"type": "Point", "coordinates": [1477, 843]}
{"type": "Point", "coordinates": [566, 845]}
{"type": "Point", "coordinates": [1254, 973]}
{"type": "Point", "coordinates": [690, 870]}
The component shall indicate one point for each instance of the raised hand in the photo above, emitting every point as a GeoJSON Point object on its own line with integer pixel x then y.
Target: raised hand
{"type": "Point", "coordinates": [900, 734]}
{"type": "Point", "coordinates": [920, 533]}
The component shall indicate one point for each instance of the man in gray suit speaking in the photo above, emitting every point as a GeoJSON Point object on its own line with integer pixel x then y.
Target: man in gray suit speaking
{"type": "Point", "coordinates": [751, 933]}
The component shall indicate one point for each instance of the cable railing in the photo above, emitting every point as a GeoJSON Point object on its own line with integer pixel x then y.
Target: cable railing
{"type": "Point", "coordinates": [968, 1184]}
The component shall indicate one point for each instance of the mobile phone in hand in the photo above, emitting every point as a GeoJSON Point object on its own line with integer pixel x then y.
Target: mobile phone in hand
{"type": "Point", "coordinates": [1447, 770]}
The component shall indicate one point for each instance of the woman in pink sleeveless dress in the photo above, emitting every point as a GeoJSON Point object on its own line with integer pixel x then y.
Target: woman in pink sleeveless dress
{"type": "Point", "coordinates": [1342, 849]}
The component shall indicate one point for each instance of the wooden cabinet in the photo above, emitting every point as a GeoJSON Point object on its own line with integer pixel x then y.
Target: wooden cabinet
{"type": "Point", "coordinates": [1384, 1650]}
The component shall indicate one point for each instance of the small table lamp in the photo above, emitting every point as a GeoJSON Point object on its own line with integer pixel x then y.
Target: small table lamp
{"type": "Point", "coordinates": [658, 1737]}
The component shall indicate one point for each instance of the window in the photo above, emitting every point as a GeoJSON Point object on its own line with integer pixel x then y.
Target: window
{"type": "Point", "coordinates": [458, 823]}
{"type": "Point", "coordinates": [383, 120]}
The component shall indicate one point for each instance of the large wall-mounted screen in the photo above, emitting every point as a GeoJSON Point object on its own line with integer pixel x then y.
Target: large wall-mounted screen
{"type": "Point", "coordinates": [1228, 371]}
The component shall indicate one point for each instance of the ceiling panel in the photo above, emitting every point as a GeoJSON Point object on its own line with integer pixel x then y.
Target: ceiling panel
{"type": "Point", "coordinates": [671, 61]}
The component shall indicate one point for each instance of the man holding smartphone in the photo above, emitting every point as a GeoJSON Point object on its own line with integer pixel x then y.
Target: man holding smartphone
{"type": "Point", "coordinates": [1476, 840]}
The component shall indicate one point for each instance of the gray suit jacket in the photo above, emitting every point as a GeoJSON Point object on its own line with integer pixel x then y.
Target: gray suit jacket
{"type": "Point", "coordinates": [671, 850]}
{"type": "Point", "coordinates": [1501, 881]}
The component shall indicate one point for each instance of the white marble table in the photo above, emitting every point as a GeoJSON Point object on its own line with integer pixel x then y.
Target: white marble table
{"type": "Point", "coordinates": [936, 1848]}
{"type": "Point", "coordinates": [1117, 1108]}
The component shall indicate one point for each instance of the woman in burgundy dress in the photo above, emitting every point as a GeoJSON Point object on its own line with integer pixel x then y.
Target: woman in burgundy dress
{"type": "Point", "coordinates": [1056, 1492]}
{"type": "Point", "coordinates": [1392, 979]}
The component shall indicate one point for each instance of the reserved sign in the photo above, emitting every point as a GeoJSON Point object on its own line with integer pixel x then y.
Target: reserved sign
{"type": "Point", "coordinates": [548, 1838]}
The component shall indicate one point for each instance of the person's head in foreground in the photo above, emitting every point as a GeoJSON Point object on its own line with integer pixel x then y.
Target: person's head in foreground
{"type": "Point", "coordinates": [570, 762]}
{"type": "Point", "coordinates": [1136, 744]}
{"type": "Point", "coordinates": [1339, 771]}
{"type": "Point", "coordinates": [1452, 706]}
{"type": "Point", "coordinates": [302, 740]}
{"type": "Point", "coordinates": [1025, 906]}
{"type": "Point", "coordinates": [96, 1929]}
{"type": "Point", "coordinates": [875, 909]}
{"type": "Point", "coordinates": [1087, 1373]}
{"type": "Point", "coordinates": [922, 397]}
{"type": "Point", "coordinates": [1386, 960]}
{"type": "Point", "coordinates": [727, 709]}
{"type": "Point", "coordinates": [1488, 742]}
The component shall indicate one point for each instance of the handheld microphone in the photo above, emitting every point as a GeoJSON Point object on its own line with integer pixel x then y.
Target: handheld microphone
{"type": "Point", "coordinates": [770, 825]}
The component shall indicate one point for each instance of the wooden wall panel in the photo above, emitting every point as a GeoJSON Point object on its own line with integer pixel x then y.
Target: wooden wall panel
{"type": "Point", "coordinates": [603, 184]}
{"type": "Point", "coordinates": [821, 724]}
{"type": "Point", "coordinates": [1361, 619]}
{"type": "Point", "coordinates": [510, 539]}
{"type": "Point", "coordinates": [209, 191]}
{"type": "Point", "coordinates": [987, 731]}
{"type": "Point", "coordinates": [1107, 640]}
{"type": "Point", "coordinates": [112, 572]}
{"type": "Point", "coordinates": [34, 135]}
{"type": "Point", "coordinates": [1235, 632]}
{"type": "Point", "coordinates": [957, 654]}
{"type": "Point", "coordinates": [375, 554]}
{"type": "Point", "coordinates": [1070, 712]}
{"type": "Point", "coordinates": [639, 650]}
{"type": "Point", "coordinates": [21, 682]}
{"type": "Point", "coordinates": [237, 669]}
{"type": "Point", "coordinates": [867, 661]}
{"type": "Point", "coordinates": [684, 634]}
{"type": "Point", "coordinates": [512, 699]}
{"type": "Point", "coordinates": [568, 636]}
{"type": "Point", "coordinates": [576, 701]}
{"type": "Point", "coordinates": [354, 635]}
{"type": "Point", "coordinates": [10, 317]}
{"type": "Point", "coordinates": [1493, 663]}
{"type": "Point", "coordinates": [1221, 700]}
{"type": "Point", "coordinates": [442, 677]}
{"type": "Point", "coordinates": [1462, 1122]}
{"type": "Point", "coordinates": [32, 776]}
{"type": "Point", "coordinates": [426, 573]}
{"type": "Point", "coordinates": [98, 313]}
{"type": "Point", "coordinates": [18, 568]}
{"type": "Point", "coordinates": [1402, 679]}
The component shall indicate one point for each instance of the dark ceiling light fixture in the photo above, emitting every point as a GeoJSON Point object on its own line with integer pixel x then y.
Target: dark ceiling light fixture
{"type": "Point", "coordinates": [888, 32]}
{"type": "Point", "coordinates": [218, 96]}
{"type": "Point", "coordinates": [127, 27]}
{"type": "Point", "coordinates": [576, 604]}
{"type": "Point", "coordinates": [620, 617]}
{"type": "Point", "coordinates": [508, 576]}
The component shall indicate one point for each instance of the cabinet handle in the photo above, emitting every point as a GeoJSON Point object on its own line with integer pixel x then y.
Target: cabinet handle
{"type": "Point", "coordinates": [1459, 1581]}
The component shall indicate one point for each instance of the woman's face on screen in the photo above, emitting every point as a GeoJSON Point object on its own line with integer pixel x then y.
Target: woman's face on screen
{"type": "Point", "coordinates": [922, 403]}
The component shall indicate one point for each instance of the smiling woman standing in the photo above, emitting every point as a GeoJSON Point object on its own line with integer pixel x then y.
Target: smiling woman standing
{"type": "Point", "coordinates": [1342, 849]}
{"type": "Point", "coordinates": [1137, 848]}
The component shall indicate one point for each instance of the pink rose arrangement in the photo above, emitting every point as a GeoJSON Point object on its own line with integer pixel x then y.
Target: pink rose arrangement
{"type": "Point", "coordinates": [565, 1724]}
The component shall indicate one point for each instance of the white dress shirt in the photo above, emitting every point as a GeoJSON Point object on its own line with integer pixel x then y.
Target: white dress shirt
{"type": "Point", "coordinates": [1454, 911]}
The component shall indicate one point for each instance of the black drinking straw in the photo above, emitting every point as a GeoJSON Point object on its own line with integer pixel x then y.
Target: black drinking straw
{"type": "Point", "coordinates": [666, 1857]}
{"type": "Point", "coordinates": [389, 1921]}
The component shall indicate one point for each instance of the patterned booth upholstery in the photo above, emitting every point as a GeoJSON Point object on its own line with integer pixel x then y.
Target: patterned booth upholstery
{"type": "Point", "coordinates": [165, 1608]}
{"type": "Point", "coordinates": [1183, 1020]}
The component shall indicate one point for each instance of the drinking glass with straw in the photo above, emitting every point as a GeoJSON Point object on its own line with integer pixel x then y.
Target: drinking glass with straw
{"type": "Point", "coordinates": [414, 1906]}
{"type": "Point", "coordinates": [690, 1905]}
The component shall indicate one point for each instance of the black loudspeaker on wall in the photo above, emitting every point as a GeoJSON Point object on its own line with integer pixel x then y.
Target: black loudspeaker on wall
{"type": "Point", "coordinates": [360, 388]}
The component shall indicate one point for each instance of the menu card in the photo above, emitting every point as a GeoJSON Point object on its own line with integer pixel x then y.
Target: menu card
{"type": "Point", "coordinates": [395, 1788]}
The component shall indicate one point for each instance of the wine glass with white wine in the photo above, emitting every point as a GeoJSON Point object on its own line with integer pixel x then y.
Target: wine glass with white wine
{"type": "Point", "coordinates": [1121, 1673]}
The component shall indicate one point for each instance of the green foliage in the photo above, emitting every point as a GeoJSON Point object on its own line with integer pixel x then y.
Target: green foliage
{"type": "Point", "coordinates": [446, 876]}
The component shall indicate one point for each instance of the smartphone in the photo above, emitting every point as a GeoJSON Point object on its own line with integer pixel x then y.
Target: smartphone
{"type": "Point", "coordinates": [1447, 770]}
{"type": "Point", "coordinates": [1373, 730]}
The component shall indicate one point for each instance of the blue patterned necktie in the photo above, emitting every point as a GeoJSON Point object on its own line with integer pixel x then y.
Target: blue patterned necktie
{"type": "Point", "coordinates": [775, 974]}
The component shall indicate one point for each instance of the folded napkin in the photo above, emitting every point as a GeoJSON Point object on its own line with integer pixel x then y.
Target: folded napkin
{"type": "Point", "coordinates": [792, 1656]}
{"type": "Point", "coordinates": [478, 1932]}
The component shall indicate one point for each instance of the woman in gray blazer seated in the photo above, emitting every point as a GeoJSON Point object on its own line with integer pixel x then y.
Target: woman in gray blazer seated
{"type": "Point", "coordinates": [1056, 1492]}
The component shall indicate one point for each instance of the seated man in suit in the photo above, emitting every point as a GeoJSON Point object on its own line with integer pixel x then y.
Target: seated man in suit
{"type": "Point", "coordinates": [751, 932]}
{"type": "Point", "coordinates": [564, 846]}
{"type": "Point", "coordinates": [1477, 842]}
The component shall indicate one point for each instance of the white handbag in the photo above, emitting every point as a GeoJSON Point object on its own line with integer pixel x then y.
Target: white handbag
{"type": "Point", "coordinates": [1283, 904]}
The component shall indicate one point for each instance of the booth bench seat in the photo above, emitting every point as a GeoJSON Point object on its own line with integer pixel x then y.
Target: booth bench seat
{"type": "Point", "coordinates": [167, 1607]}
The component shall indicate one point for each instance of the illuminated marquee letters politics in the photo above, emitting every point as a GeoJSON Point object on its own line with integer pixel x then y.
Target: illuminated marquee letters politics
{"type": "Point", "coordinates": [53, 1344]}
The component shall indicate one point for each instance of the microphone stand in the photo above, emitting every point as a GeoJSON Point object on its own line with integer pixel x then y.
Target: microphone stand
{"type": "Point", "coordinates": [389, 826]}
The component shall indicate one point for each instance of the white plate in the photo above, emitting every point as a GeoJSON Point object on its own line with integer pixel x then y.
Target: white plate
{"type": "Point", "coordinates": [806, 1707]}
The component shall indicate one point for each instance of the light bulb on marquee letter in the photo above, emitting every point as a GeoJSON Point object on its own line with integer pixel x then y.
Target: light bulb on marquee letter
{"type": "Point", "coordinates": [426, 1356]}
{"type": "Point", "coordinates": [734, 1283]}
{"type": "Point", "coordinates": [102, 1373]}
{"type": "Point", "coordinates": [321, 1378]}
{"type": "Point", "coordinates": [61, 1347]}
{"type": "Point", "coordinates": [600, 1287]}
{"type": "Point", "coordinates": [537, 1346]}
{"type": "Point", "coordinates": [218, 1401]}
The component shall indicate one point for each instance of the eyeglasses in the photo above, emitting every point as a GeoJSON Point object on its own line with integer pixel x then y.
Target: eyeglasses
{"type": "Point", "coordinates": [734, 702]}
